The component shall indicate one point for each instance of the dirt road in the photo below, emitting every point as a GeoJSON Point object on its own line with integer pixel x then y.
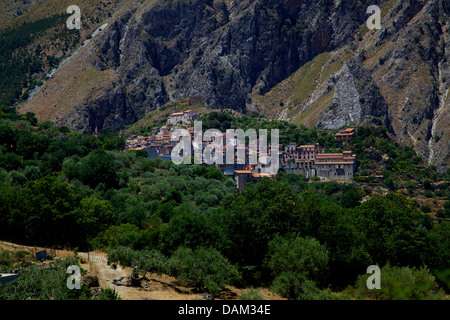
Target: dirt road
{"type": "Point", "coordinates": [156, 288]}
{"type": "Point", "coordinates": [117, 279]}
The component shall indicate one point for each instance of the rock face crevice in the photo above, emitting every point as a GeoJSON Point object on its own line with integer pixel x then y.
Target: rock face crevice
{"type": "Point", "coordinates": [110, 112]}
{"type": "Point", "coordinates": [413, 77]}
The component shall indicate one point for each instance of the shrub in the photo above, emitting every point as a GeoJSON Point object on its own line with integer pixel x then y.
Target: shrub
{"type": "Point", "coordinates": [428, 194]}
{"type": "Point", "coordinates": [402, 283]}
{"type": "Point", "coordinates": [425, 208]}
{"type": "Point", "coordinates": [47, 283]}
{"type": "Point", "coordinates": [252, 294]}
{"type": "Point", "coordinates": [127, 235]}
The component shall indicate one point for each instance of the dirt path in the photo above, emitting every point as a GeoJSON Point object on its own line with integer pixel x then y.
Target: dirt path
{"type": "Point", "coordinates": [117, 279]}
{"type": "Point", "coordinates": [154, 287]}
{"type": "Point", "coordinates": [95, 263]}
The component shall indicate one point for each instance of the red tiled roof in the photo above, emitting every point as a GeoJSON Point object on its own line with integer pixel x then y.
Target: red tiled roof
{"type": "Point", "coordinates": [242, 171]}
{"type": "Point", "coordinates": [344, 134]}
{"type": "Point", "coordinates": [261, 175]}
{"type": "Point", "coordinates": [334, 162]}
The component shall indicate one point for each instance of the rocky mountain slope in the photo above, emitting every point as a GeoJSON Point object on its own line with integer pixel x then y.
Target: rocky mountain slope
{"type": "Point", "coordinates": [312, 62]}
{"type": "Point", "coordinates": [36, 42]}
{"type": "Point", "coordinates": [12, 9]}
{"type": "Point", "coordinates": [399, 73]}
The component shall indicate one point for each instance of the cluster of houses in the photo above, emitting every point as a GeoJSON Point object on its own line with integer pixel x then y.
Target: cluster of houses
{"type": "Point", "coordinates": [158, 145]}
{"type": "Point", "coordinates": [307, 160]}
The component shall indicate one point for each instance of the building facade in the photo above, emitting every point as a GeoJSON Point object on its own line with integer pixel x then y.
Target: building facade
{"type": "Point", "coordinates": [185, 117]}
{"type": "Point", "coordinates": [335, 166]}
{"type": "Point", "coordinates": [345, 135]}
{"type": "Point", "coordinates": [300, 160]}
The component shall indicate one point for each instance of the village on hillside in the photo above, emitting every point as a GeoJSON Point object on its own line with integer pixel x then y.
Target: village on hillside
{"type": "Point", "coordinates": [306, 160]}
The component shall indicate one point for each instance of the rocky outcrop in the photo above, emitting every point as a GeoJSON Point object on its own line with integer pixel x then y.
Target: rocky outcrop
{"type": "Point", "coordinates": [356, 98]}
{"type": "Point", "coordinates": [90, 281]}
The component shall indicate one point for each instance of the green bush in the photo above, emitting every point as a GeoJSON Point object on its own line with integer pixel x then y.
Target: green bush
{"type": "Point", "coordinates": [204, 268]}
{"type": "Point", "coordinates": [428, 194]}
{"type": "Point", "coordinates": [126, 235]}
{"type": "Point", "coordinates": [401, 283]}
{"type": "Point", "coordinates": [252, 294]}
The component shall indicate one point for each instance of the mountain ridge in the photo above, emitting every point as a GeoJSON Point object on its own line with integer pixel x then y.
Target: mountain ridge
{"type": "Point", "coordinates": [238, 54]}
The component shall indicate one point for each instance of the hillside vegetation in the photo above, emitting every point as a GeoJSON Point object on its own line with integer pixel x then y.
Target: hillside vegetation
{"type": "Point", "coordinates": [64, 189]}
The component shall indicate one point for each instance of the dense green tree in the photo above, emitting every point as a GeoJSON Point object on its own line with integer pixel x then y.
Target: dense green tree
{"type": "Point", "coordinates": [10, 161]}
{"type": "Point", "coordinates": [189, 229]}
{"type": "Point", "coordinates": [43, 213]}
{"type": "Point", "coordinates": [92, 216]}
{"type": "Point", "coordinates": [440, 246]}
{"type": "Point", "coordinates": [305, 258]}
{"type": "Point", "coordinates": [96, 168]}
{"type": "Point", "coordinates": [206, 268]}
{"type": "Point", "coordinates": [393, 231]}
{"type": "Point", "coordinates": [134, 214]}
{"type": "Point", "coordinates": [256, 215]}
{"type": "Point", "coordinates": [7, 135]}
{"type": "Point", "coordinates": [351, 196]}
{"type": "Point", "coordinates": [125, 235]}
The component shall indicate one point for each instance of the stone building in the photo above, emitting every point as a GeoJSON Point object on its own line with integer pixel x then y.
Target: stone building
{"type": "Point", "coordinates": [300, 160]}
{"type": "Point", "coordinates": [185, 117]}
{"type": "Point", "coordinates": [244, 176]}
{"type": "Point", "coordinates": [335, 166]}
